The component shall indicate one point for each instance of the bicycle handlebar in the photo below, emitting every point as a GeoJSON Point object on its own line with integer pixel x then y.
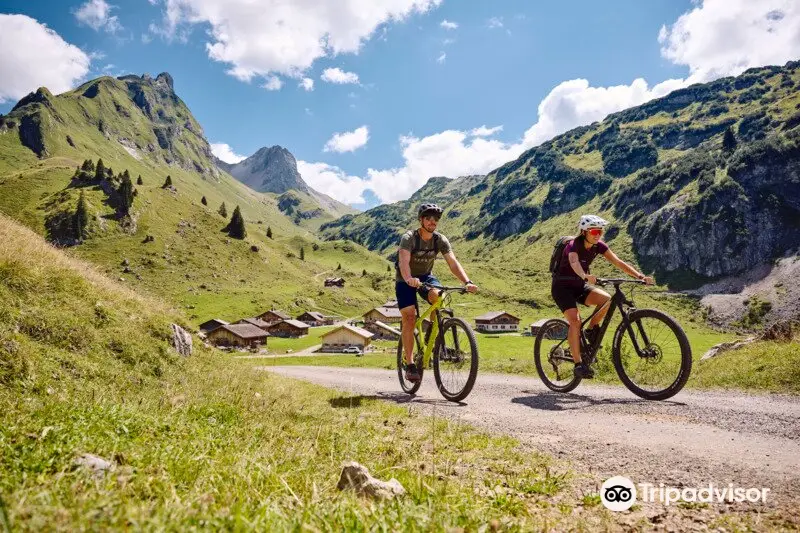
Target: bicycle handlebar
{"type": "Point", "coordinates": [442, 288]}
{"type": "Point", "coordinates": [617, 281]}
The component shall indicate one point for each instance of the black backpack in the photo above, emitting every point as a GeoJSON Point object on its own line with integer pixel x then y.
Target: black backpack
{"type": "Point", "coordinates": [558, 253]}
{"type": "Point", "coordinates": [418, 247]}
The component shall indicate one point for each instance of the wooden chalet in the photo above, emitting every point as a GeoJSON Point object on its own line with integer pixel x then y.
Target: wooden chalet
{"type": "Point", "coordinates": [288, 328]}
{"type": "Point", "coordinates": [239, 335]}
{"type": "Point", "coordinates": [496, 321]}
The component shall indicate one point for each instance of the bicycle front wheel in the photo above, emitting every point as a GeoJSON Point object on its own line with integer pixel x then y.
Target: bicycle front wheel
{"type": "Point", "coordinates": [652, 357]}
{"type": "Point", "coordinates": [553, 358]}
{"type": "Point", "coordinates": [408, 386]}
{"type": "Point", "coordinates": [455, 359]}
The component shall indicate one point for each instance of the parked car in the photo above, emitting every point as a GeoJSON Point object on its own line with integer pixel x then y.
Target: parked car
{"type": "Point", "coordinates": [352, 349]}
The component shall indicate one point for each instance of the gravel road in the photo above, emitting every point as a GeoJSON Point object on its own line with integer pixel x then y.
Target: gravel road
{"type": "Point", "coordinates": [691, 440]}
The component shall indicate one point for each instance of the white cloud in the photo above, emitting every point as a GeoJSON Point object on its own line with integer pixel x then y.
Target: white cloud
{"type": "Point", "coordinates": [448, 41]}
{"type": "Point", "coordinates": [32, 56]}
{"type": "Point", "coordinates": [307, 84]}
{"type": "Point", "coordinates": [495, 22]}
{"type": "Point", "coordinates": [274, 83]}
{"type": "Point", "coordinates": [339, 76]}
{"type": "Point", "coordinates": [726, 37]}
{"type": "Point", "coordinates": [97, 15]}
{"type": "Point", "coordinates": [333, 181]}
{"type": "Point", "coordinates": [225, 153]}
{"type": "Point", "coordinates": [446, 24]}
{"type": "Point", "coordinates": [483, 131]}
{"type": "Point", "coordinates": [441, 58]}
{"type": "Point", "coordinates": [575, 103]}
{"type": "Point", "coordinates": [348, 141]}
{"type": "Point", "coordinates": [276, 36]}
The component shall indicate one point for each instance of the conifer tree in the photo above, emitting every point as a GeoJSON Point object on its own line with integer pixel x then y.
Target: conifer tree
{"type": "Point", "coordinates": [222, 211]}
{"type": "Point", "coordinates": [99, 170]}
{"type": "Point", "coordinates": [204, 201]}
{"type": "Point", "coordinates": [167, 182]}
{"type": "Point", "coordinates": [236, 227]}
{"type": "Point", "coordinates": [126, 193]}
{"type": "Point", "coordinates": [269, 232]}
{"type": "Point", "coordinates": [80, 220]}
{"type": "Point", "coordinates": [302, 254]}
{"type": "Point", "coordinates": [139, 180]}
{"type": "Point", "coordinates": [339, 266]}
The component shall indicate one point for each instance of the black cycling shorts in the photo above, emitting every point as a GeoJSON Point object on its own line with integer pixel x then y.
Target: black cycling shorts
{"type": "Point", "coordinates": [568, 297]}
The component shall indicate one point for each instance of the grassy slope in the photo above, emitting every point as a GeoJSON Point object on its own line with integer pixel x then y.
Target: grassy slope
{"type": "Point", "coordinates": [182, 258]}
{"type": "Point", "coordinates": [85, 367]}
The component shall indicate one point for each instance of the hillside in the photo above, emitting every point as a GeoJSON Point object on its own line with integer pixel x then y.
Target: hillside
{"type": "Point", "coordinates": [168, 241]}
{"type": "Point", "coordinates": [274, 170]}
{"type": "Point", "coordinates": [199, 442]}
{"type": "Point", "coordinates": [682, 206]}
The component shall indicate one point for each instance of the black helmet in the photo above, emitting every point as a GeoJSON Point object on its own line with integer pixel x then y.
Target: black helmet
{"type": "Point", "coordinates": [429, 209]}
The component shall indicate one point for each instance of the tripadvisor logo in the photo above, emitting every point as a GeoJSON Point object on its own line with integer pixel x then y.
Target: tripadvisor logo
{"type": "Point", "coordinates": [619, 494]}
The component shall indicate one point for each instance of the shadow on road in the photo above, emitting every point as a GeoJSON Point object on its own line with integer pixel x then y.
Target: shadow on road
{"type": "Point", "coordinates": [557, 401]}
{"type": "Point", "coordinates": [348, 402]}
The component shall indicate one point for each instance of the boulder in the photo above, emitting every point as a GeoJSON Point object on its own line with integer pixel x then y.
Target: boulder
{"type": "Point", "coordinates": [181, 340]}
{"type": "Point", "coordinates": [357, 477]}
{"type": "Point", "coordinates": [93, 463]}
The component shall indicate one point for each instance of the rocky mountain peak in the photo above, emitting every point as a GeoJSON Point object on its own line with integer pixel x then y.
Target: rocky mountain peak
{"type": "Point", "coordinates": [270, 169]}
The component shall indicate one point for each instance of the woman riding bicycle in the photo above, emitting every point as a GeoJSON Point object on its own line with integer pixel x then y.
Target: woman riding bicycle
{"type": "Point", "coordinates": [572, 284]}
{"type": "Point", "coordinates": [415, 258]}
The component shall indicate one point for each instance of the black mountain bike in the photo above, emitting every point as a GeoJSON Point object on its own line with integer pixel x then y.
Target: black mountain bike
{"type": "Point", "coordinates": [452, 344]}
{"type": "Point", "coordinates": [650, 350]}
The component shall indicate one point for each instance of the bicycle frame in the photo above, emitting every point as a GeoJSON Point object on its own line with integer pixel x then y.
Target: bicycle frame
{"type": "Point", "coordinates": [618, 300]}
{"type": "Point", "coordinates": [432, 311]}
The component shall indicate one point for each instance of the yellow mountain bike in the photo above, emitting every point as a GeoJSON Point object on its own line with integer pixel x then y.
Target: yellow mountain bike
{"type": "Point", "coordinates": [451, 342]}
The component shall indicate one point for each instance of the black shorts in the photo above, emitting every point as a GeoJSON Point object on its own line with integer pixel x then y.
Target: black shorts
{"type": "Point", "coordinates": [407, 295]}
{"type": "Point", "coordinates": [568, 297]}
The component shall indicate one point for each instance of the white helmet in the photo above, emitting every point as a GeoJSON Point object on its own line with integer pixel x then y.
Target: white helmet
{"type": "Point", "coordinates": [591, 221]}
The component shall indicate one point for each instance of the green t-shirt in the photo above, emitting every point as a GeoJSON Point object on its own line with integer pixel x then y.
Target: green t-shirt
{"type": "Point", "coordinates": [422, 259]}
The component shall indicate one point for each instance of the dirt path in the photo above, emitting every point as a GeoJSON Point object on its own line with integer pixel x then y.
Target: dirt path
{"type": "Point", "coordinates": [694, 439]}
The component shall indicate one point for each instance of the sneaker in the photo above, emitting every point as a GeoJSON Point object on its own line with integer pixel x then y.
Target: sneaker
{"type": "Point", "coordinates": [591, 334]}
{"type": "Point", "coordinates": [582, 370]}
{"type": "Point", "coordinates": [412, 374]}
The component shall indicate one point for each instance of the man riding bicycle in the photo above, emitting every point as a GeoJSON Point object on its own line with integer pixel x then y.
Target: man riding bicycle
{"type": "Point", "coordinates": [415, 258]}
{"type": "Point", "coordinates": [572, 284]}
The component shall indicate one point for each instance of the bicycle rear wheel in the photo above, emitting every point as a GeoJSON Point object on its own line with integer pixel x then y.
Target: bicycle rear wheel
{"type": "Point", "coordinates": [408, 386]}
{"type": "Point", "coordinates": [660, 367]}
{"type": "Point", "coordinates": [553, 358]}
{"type": "Point", "coordinates": [455, 359]}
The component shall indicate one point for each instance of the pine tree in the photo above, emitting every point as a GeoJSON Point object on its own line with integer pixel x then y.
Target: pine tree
{"type": "Point", "coordinates": [302, 254]}
{"type": "Point", "coordinates": [139, 180]}
{"type": "Point", "coordinates": [99, 170]}
{"type": "Point", "coordinates": [339, 267]}
{"type": "Point", "coordinates": [126, 193]}
{"type": "Point", "coordinates": [236, 227]}
{"type": "Point", "coordinates": [222, 211]}
{"type": "Point", "coordinates": [80, 219]}
{"type": "Point", "coordinates": [388, 268]}
{"type": "Point", "coordinates": [204, 201]}
{"type": "Point", "coordinates": [269, 232]}
{"type": "Point", "coordinates": [729, 140]}
{"type": "Point", "coordinates": [364, 272]}
{"type": "Point", "coordinates": [167, 182]}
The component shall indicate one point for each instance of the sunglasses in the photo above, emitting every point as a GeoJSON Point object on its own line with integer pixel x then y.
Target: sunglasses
{"type": "Point", "coordinates": [595, 232]}
{"type": "Point", "coordinates": [431, 217]}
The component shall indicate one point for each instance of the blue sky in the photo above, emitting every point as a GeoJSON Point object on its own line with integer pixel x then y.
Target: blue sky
{"type": "Point", "coordinates": [424, 85]}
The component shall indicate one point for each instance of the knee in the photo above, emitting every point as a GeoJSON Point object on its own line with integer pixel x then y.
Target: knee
{"type": "Point", "coordinates": [574, 321]}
